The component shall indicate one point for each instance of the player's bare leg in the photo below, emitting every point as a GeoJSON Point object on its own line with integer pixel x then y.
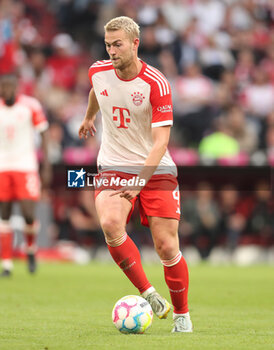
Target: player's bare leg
{"type": "Point", "coordinates": [6, 239]}
{"type": "Point", "coordinates": [30, 232]}
{"type": "Point", "coordinates": [165, 237]}
{"type": "Point", "coordinates": [113, 213]}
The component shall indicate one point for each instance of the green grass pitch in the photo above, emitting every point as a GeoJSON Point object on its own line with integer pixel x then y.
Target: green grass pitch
{"type": "Point", "coordinates": [68, 307]}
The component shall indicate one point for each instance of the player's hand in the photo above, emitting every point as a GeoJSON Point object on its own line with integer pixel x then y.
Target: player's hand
{"type": "Point", "coordinates": [126, 193]}
{"type": "Point", "coordinates": [87, 127]}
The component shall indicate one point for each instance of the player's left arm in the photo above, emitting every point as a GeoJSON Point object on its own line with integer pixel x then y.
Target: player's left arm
{"type": "Point", "coordinates": [160, 137]}
{"type": "Point", "coordinates": [46, 171]}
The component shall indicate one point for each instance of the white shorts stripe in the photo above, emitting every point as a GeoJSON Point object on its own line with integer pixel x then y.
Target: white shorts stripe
{"type": "Point", "coordinates": [161, 77]}
{"type": "Point", "coordinates": [157, 81]}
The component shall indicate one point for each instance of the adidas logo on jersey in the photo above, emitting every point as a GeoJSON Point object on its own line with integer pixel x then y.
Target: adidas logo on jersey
{"type": "Point", "coordinates": [104, 93]}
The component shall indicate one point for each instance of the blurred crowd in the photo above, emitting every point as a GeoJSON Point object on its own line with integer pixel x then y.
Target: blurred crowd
{"type": "Point", "coordinates": [226, 218]}
{"type": "Point", "coordinates": [218, 56]}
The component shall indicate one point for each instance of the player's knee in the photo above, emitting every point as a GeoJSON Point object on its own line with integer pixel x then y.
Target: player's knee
{"type": "Point", "coordinates": [166, 249]}
{"type": "Point", "coordinates": [111, 225]}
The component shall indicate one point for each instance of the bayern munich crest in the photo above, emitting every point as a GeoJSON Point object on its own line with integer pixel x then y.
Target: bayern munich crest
{"type": "Point", "coordinates": [138, 98]}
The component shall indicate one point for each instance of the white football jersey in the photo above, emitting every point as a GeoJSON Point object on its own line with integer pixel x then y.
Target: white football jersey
{"type": "Point", "coordinates": [130, 108]}
{"type": "Point", "coordinates": [17, 125]}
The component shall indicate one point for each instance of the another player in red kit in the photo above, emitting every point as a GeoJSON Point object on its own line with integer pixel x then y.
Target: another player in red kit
{"type": "Point", "coordinates": [136, 106]}
{"type": "Point", "coordinates": [20, 115]}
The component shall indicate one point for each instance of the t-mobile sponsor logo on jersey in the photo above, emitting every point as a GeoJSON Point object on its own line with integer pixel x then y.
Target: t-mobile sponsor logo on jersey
{"type": "Point", "coordinates": [165, 109]}
{"type": "Point", "coordinates": [122, 116]}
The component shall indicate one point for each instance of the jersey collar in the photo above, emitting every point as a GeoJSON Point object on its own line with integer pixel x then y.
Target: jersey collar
{"type": "Point", "coordinates": [138, 75]}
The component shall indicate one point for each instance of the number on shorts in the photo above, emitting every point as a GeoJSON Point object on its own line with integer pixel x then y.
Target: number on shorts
{"type": "Point", "coordinates": [176, 196]}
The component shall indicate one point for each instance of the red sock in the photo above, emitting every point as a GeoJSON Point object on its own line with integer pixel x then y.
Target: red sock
{"type": "Point", "coordinates": [176, 276]}
{"type": "Point", "coordinates": [126, 255]}
{"type": "Point", "coordinates": [30, 233]}
{"type": "Point", "coordinates": [6, 240]}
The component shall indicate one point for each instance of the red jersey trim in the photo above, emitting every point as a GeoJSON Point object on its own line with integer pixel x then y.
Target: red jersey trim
{"type": "Point", "coordinates": [160, 97]}
{"type": "Point", "coordinates": [151, 74]}
{"type": "Point", "coordinates": [99, 66]}
{"type": "Point", "coordinates": [137, 76]}
{"type": "Point", "coordinates": [42, 126]}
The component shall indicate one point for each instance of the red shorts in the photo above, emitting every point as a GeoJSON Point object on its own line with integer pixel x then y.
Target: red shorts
{"type": "Point", "coordinates": [160, 197]}
{"type": "Point", "coordinates": [17, 185]}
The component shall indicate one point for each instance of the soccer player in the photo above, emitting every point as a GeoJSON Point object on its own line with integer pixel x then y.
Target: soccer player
{"type": "Point", "coordinates": [20, 115]}
{"type": "Point", "coordinates": [136, 106]}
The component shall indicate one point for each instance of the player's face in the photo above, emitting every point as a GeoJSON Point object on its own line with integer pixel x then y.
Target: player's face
{"type": "Point", "coordinates": [121, 48]}
{"type": "Point", "coordinates": [8, 89]}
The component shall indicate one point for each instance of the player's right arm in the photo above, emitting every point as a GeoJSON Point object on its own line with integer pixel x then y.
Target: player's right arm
{"type": "Point", "coordinates": [87, 125]}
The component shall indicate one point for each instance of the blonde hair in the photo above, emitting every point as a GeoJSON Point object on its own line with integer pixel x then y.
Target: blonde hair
{"type": "Point", "coordinates": [125, 23]}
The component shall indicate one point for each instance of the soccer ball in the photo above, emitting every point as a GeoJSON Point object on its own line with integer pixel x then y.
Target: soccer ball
{"type": "Point", "coordinates": [132, 314]}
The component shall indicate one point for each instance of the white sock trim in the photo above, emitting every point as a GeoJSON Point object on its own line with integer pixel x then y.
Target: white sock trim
{"type": "Point", "coordinates": [5, 226]}
{"type": "Point", "coordinates": [31, 249]}
{"type": "Point", "coordinates": [148, 291]}
{"type": "Point", "coordinates": [177, 315]}
{"type": "Point", "coordinates": [172, 261]}
{"type": "Point", "coordinates": [116, 242]}
{"type": "Point", "coordinates": [31, 229]}
{"type": "Point", "coordinates": [7, 264]}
